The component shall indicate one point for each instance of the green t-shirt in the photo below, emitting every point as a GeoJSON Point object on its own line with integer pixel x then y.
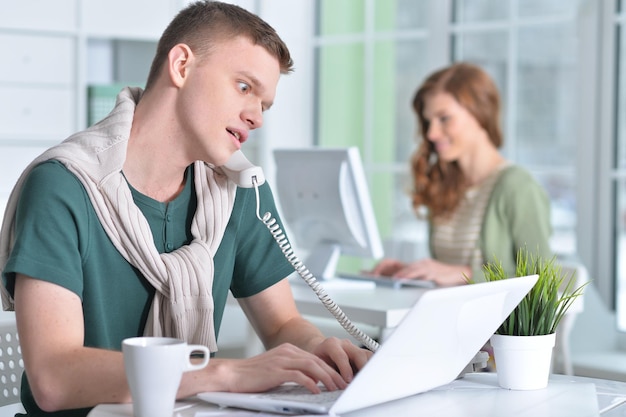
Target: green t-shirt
{"type": "Point", "coordinates": [60, 239]}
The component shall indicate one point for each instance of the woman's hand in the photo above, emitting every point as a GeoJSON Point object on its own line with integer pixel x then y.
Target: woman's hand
{"type": "Point", "coordinates": [431, 270]}
{"type": "Point", "coordinates": [387, 267]}
{"type": "Point", "coordinates": [426, 269]}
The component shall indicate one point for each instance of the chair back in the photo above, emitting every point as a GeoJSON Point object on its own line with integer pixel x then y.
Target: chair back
{"type": "Point", "coordinates": [562, 357]}
{"type": "Point", "coordinates": [11, 364]}
{"type": "Point", "coordinates": [577, 272]}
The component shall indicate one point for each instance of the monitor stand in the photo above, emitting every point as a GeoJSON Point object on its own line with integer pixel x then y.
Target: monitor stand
{"type": "Point", "coordinates": [322, 261]}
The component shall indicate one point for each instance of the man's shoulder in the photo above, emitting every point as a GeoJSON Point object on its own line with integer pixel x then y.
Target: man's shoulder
{"type": "Point", "coordinates": [52, 179]}
{"type": "Point", "coordinates": [52, 168]}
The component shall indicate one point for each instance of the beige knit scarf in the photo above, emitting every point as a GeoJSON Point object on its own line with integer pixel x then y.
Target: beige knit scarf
{"type": "Point", "coordinates": [183, 279]}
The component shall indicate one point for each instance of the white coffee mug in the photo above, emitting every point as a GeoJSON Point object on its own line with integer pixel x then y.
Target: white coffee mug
{"type": "Point", "coordinates": [154, 368]}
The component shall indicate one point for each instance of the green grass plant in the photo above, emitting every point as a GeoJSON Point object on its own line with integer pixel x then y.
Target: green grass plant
{"type": "Point", "coordinates": [541, 310]}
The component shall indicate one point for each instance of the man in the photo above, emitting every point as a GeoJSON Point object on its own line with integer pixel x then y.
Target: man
{"type": "Point", "coordinates": [119, 231]}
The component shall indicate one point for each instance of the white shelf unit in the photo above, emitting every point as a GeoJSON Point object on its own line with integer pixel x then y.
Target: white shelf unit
{"type": "Point", "coordinates": [55, 50]}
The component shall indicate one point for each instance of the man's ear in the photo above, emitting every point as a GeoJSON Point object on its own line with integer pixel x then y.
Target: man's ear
{"type": "Point", "coordinates": [178, 60]}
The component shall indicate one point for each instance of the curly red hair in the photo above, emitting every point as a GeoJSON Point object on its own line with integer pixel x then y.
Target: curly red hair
{"type": "Point", "coordinates": [440, 185]}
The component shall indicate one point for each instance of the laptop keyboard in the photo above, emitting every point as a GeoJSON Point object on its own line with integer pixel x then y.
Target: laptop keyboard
{"type": "Point", "coordinates": [388, 282]}
{"type": "Point", "coordinates": [300, 393]}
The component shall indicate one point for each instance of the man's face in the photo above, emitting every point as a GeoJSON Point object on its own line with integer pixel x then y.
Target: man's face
{"type": "Point", "coordinates": [223, 98]}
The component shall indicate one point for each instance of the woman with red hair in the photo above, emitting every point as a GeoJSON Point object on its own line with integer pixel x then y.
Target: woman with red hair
{"type": "Point", "coordinates": [480, 207]}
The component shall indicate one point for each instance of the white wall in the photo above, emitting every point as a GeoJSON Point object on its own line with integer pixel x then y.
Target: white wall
{"type": "Point", "coordinates": [290, 121]}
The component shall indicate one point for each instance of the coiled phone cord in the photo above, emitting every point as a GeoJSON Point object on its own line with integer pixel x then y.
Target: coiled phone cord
{"type": "Point", "coordinates": [309, 278]}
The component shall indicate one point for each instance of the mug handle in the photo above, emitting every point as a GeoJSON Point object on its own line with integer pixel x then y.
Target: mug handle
{"type": "Point", "coordinates": [205, 360]}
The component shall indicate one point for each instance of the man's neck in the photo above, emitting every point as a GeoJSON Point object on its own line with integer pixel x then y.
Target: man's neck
{"type": "Point", "coordinates": [155, 164]}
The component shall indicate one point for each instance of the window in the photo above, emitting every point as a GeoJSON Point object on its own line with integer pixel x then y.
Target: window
{"type": "Point", "coordinates": [617, 179]}
{"type": "Point", "coordinates": [531, 50]}
{"type": "Point", "coordinates": [373, 54]}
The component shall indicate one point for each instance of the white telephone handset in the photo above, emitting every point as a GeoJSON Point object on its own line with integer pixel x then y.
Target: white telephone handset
{"type": "Point", "coordinates": [246, 175]}
{"type": "Point", "coordinates": [242, 172]}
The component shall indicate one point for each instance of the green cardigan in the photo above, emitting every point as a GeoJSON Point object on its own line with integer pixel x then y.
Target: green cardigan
{"type": "Point", "coordinates": [517, 215]}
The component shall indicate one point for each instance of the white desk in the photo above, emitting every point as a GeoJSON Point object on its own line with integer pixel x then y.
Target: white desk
{"type": "Point", "coordinates": [378, 306]}
{"type": "Point", "coordinates": [474, 395]}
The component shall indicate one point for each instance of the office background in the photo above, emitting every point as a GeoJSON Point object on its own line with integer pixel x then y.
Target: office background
{"type": "Point", "coordinates": [560, 65]}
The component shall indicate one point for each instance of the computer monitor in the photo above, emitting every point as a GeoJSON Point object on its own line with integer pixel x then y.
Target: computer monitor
{"type": "Point", "coordinates": [326, 206]}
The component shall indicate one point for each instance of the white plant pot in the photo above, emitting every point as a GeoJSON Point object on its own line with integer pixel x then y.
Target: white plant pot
{"type": "Point", "coordinates": [523, 362]}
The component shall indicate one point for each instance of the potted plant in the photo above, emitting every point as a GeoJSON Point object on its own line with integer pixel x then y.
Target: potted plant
{"type": "Point", "coordinates": [526, 338]}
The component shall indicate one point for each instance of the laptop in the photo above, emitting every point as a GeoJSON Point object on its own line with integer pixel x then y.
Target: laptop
{"type": "Point", "coordinates": [430, 347]}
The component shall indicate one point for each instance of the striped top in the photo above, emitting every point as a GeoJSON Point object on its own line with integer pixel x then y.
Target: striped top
{"type": "Point", "coordinates": [455, 240]}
